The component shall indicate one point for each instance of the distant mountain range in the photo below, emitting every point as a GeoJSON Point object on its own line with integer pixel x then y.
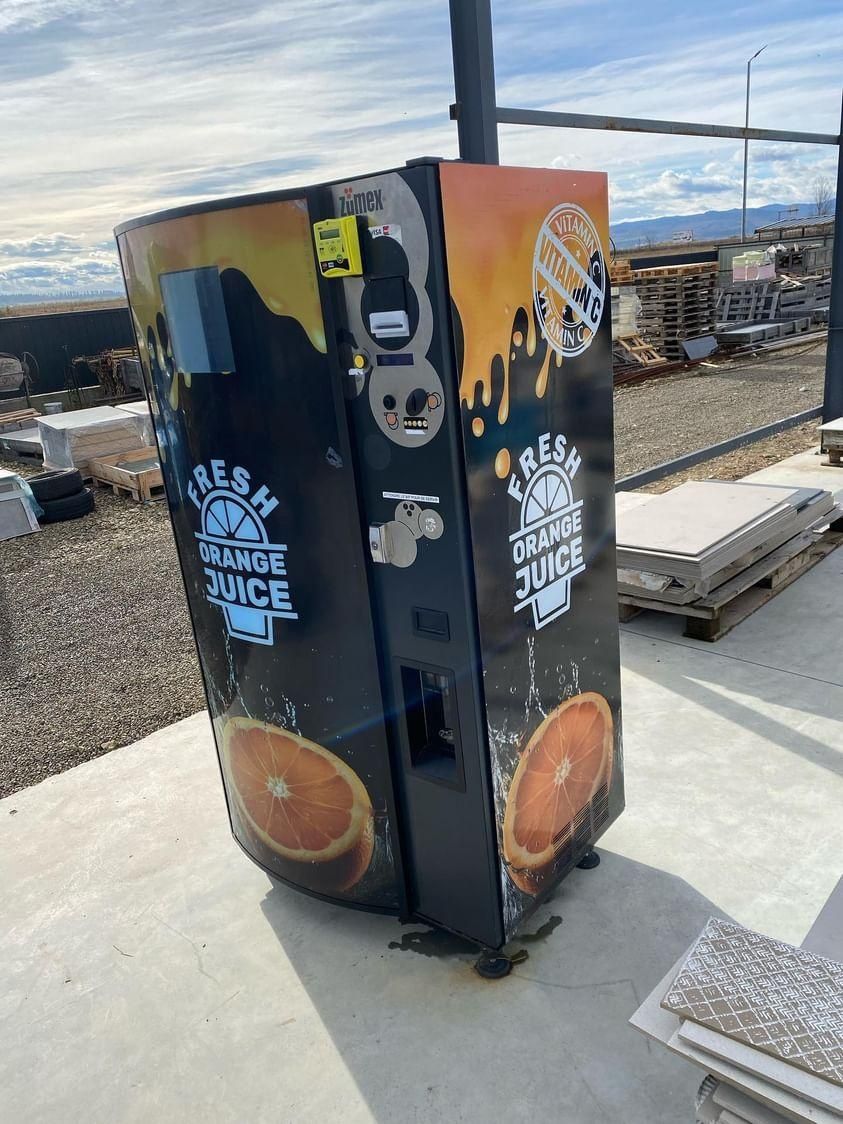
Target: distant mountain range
{"type": "Point", "coordinates": [69, 295]}
{"type": "Point", "coordinates": [706, 226]}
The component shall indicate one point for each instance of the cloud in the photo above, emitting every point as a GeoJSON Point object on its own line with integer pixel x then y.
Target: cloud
{"type": "Point", "coordinates": [41, 246]}
{"type": "Point", "coordinates": [115, 108]}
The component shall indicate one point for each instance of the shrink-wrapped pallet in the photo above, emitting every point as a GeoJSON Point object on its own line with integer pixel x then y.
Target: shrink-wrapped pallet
{"type": "Point", "coordinates": [70, 440]}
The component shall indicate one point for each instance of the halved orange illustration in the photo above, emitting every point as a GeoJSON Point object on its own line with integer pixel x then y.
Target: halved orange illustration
{"type": "Point", "coordinates": [302, 801]}
{"type": "Point", "coordinates": [565, 762]}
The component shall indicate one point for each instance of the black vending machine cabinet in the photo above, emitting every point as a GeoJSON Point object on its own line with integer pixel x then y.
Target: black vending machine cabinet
{"type": "Point", "coordinates": [384, 414]}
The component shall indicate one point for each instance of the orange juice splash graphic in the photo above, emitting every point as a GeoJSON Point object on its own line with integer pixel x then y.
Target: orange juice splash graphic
{"type": "Point", "coordinates": [493, 216]}
{"type": "Point", "coordinates": [268, 242]}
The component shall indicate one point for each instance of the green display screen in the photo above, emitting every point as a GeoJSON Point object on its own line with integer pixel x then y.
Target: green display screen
{"type": "Point", "coordinates": [331, 232]}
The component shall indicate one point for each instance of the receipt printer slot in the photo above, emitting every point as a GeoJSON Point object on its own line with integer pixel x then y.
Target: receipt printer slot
{"type": "Point", "coordinates": [387, 302]}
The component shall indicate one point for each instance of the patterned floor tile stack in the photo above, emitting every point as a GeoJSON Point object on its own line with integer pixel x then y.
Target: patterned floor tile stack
{"type": "Point", "coordinates": [763, 1019]}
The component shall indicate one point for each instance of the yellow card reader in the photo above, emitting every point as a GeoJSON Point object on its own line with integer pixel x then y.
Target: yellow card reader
{"type": "Point", "coordinates": [338, 247]}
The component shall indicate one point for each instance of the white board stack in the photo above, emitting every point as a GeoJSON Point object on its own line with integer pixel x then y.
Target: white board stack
{"type": "Point", "coordinates": [680, 545]}
{"type": "Point", "coordinates": [72, 439]}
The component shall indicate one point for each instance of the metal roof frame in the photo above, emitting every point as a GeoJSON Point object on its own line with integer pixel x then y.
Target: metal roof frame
{"type": "Point", "coordinates": [477, 115]}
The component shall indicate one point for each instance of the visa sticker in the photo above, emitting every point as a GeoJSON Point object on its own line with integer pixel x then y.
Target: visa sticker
{"type": "Point", "coordinates": [388, 230]}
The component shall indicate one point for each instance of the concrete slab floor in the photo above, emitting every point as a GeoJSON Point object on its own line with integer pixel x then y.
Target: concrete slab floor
{"type": "Point", "coordinates": [804, 470]}
{"type": "Point", "coordinates": [806, 612]}
{"type": "Point", "coordinates": [152, 972]}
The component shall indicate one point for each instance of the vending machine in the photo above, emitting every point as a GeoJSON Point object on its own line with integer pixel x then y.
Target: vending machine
{"type": "Point", "coordinates": [384, 414]}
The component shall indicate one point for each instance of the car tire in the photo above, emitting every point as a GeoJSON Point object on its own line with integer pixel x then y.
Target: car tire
{"type": "Point", "coordinates": [55, 485]}
{"type": "Point", "coordinates": [68, 507]}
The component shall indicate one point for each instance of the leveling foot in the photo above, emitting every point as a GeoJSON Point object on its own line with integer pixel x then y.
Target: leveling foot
{"type": "Point", "coordinates": [496, 965]}
{"type": "Point", "coordinates": [589, 860]}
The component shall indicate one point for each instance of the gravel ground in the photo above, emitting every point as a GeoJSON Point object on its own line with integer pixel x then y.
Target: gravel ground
{"type": "Point", "coordinates": [664, 418]}
{"type": "Point", "coordinates": [733, 466]}
{"type": "Point", "coordinates": [97, 649]}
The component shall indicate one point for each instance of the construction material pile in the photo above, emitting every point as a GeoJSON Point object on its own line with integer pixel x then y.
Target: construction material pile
{"type": "Point", "coordinates": [695, 549]}
{"type": "Point", "coordinates": [117, 370]}
{"type": "Point", "coordinates": [761, 311]}
{"type": "Point", "coordinates": [677, 304]}
{"type": "Point", "coordinates": [658, 310]}
{"type": "Point", "coordinates": [763, 1020]}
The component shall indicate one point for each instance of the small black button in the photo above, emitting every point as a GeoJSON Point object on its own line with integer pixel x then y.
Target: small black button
{"type": "Point", "coordinates": [388, 402]}
{"type": "Point", "coordinates": [416, 401]}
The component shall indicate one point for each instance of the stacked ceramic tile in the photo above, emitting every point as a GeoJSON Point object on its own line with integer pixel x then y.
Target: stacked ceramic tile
{"type": "Point", "coordinates": [764, 1018]}
{"type": "Point", "coordinates": [681, 544]}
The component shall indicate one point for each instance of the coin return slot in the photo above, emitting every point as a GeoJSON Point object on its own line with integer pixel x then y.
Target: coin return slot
{"type": "Point", "coordinates": [431, 716]}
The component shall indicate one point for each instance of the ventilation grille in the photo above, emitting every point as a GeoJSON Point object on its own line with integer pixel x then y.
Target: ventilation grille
{"type": "Point", "coordinates": [576, 834]}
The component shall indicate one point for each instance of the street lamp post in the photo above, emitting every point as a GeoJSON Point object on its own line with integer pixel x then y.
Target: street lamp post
{"type": "Point", "coordinates": [746, 143]}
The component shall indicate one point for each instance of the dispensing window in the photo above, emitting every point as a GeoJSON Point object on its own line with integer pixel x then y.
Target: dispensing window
{"type": "Point", "coordinates": [430, 709]}
{"type": "Point", "coordinates": [197, 321]}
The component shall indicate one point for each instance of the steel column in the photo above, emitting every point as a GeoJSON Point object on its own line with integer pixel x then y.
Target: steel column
{"type": "Point", "coordinates": [474, 80]}
{"type": "Point", "coordinates": [833, 396]}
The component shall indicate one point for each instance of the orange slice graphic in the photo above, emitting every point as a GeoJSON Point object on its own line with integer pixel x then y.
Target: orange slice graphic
{"type": "Point", "coordinates": [565, 762]}
{"type": "Point", "coordinates": [302, 801]}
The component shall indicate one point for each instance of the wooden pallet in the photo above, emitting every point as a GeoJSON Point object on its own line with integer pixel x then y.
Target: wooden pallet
{"type": "Point", "coordinates": [696, 269]}
{"type": "Point", "coordinates": [144, 485]}
{"type": "Point", "coordinates": [620, 272]}
{"type": "Point", "coordinates": [713, 616]}
{"type": "Point", "coordinates": [640, 351]}
{"type": "Point", "coordinates": [17, 419]}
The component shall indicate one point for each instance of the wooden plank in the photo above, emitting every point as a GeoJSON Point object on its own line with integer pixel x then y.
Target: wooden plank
{"type": "Point", "coordinates": [713, 616]}
{"type": "Point", "coordinates": [748, 602]}
{"type": "Point", "coordinates": [763, 568]}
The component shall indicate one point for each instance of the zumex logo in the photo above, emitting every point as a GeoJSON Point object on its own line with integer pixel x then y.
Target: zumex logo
{"type": "Point", "coordinates": [569, 278]}
{"type": "Point", "coordinates": [547, 547]}
{"type": "Point", "coordinates": [360, 202]}
{"type": "Point", "coordinates": [245, 573]}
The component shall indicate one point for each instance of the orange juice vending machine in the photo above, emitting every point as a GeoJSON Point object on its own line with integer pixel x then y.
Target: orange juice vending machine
{"type": "Point", "coordinates": [384, 414]}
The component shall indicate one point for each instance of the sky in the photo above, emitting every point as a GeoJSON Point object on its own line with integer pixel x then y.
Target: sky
{"type": "Point", "coordinates": [116, 108]}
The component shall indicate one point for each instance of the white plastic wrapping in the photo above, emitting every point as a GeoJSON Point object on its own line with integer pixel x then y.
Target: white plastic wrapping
{"type": "Point", "coordinates": [71, 440]}
{"type": "Point", "coordinates": [140, 410]}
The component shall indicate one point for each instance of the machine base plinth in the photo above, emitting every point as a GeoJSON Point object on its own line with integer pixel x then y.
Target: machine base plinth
{"type": "Point", "coordinates": [589, 860]}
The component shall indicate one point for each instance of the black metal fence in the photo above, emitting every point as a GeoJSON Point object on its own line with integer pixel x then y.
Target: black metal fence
{"type": "Point", "coordinates": [53, 339]}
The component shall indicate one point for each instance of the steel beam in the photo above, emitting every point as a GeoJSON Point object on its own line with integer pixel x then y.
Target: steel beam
{"type": "Point", "coordinates": [700, 456]}
{"type": "Point", "coordinates": [474, 80]}
{"type": "Point", "coordinates": [643, 125]}
{"type": "Point", "coordinates": [833, 396]}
